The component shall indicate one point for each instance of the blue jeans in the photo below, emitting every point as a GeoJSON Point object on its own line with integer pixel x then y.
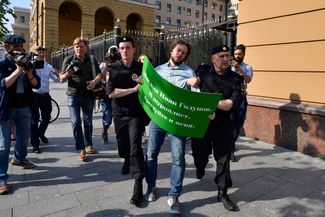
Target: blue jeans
{"type": "Point", "coordinates": [107, 113]}
{"type": "Point", "coordinates": [239, 115]}
{"type": "Point", "coordinates": [155, 141]}
{"type": "Point", "coordinates": [22, 119]}
{"type": "Point", "coordinates": [86, 104]}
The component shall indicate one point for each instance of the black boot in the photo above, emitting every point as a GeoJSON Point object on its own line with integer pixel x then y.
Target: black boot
{"type": "Point", "coordinates": [137, 196]}
{"type": "Point", "coordinates": [227, 203]}
{"type": "Point", "coordinates": [126, 166]}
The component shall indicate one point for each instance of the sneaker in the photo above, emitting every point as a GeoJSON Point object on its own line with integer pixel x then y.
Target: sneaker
{"type": "Point", "coordinates": [151, 195]}
{"type": "Point", "coordinates": [90, 150]}
{"type": "Point", "coordinates": [37, 150]}
{"type": "Point", "coordinates": [25, 164]}
{"type": "Point", "coordinates": [104, 138]}
{"type": "Point", "coordinates": [82, 156]}
{"type": "Point", "coordinates": [44, 139]}
{"type": "Point", "coordinates": [173, 204]}
{"type": "Point", "coordinates": [4, 188]}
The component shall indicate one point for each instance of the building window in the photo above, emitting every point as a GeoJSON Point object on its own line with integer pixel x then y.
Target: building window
{"type": "Point", "coordinates": [168, 7]}
{"type": "Point", "coordinates": [158, 19]}
{"type": "Point", "coordinates": [179, 10]}
{"type": "Point", "coordinates": [213, 16]}
{"type": "Point", "coordinates": [197, 2]}
{"type": "Point", "coordinates": [187, 23]}
{"type": "Point", "coordinates": [169, 21]}
{"type": "Point", "coordinates": [220, 18]}
{"type": "Point", "coordinates": [197, 14]}
{"type": "Point", "coordinates": [205, 16]}
{"type": "Point", "coordinates": [158, 5]}
{"type": "Point", "coordinates": [22, 19]}
{"type": "Point", "coordinates": [205, 3]}
{"type": "Point", "coordinates": [189, 12]}
{"type": "Point", "coordinates": [189, 1]}
{"type": "Point", "coordinates": [220, 9]}
{"type": "Point", "coordinates": [178, 23]}
{"type": "Point", "coordinates": [214, 5]}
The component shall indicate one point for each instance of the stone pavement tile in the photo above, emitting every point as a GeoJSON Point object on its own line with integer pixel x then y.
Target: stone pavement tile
{"type": "Point", "coordinates": [13, 199]}
{"type": "Point", "coordinates": [278, 200]}
{"type": "Point", "coordinates": [47, 207]}
{"type": "Point", "coordinates": [6, 213]}
{"type": "Point", "coordinates": [312, 205]}
{"type": "Point", "coordinates": [43, 193]}
{"type": "Point", "coordinates": [254, 189]}
{"type": "Point", "coordinates": [57, 214]}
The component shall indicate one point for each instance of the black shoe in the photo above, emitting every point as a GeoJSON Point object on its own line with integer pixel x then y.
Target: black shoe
{"type": "Point", "coordinates": [37, 150]}
{"type": "Point", "coordinates": [227, 203]}
{"type": "Point", "coordinates": [104, 138]}
{"type": "Point", "coordinates": [137, 196]}
{"type": "Point", "coordinates": [44, 139]}
{"type": "Point", "coordinates": [199, 173]}
{"type": "Point", "coordinates": [126, 167]}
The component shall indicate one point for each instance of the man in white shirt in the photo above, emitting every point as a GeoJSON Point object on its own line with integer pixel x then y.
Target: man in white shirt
{"type": "Point", "coordinates": [42, 98]}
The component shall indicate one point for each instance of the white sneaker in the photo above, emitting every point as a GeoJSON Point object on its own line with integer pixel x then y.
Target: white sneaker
{"type": "Point", "coordinates": [151, 195]}
{"type": "Point", "coordinates": [174, 207]}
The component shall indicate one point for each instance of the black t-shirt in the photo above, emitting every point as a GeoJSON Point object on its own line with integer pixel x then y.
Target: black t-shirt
{"type": "Point", "coordinates": [229, 84]}
{"type": "Point", "coordinates": [121, 77]}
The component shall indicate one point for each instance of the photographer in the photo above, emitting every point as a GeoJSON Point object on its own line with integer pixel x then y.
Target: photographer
{"type": "Point", "coordinates": [42, 98]}
{"type": "Point", "coordinates": [78, 71]}
{"type": "Point", "coordinates": [246, 71]}
{"type": "Point", "coordinates": [111, 56]}
{"type": "Point", "coordinates": [17, 79]}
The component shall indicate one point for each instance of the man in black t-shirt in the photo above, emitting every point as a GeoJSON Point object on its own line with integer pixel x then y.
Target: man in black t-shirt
{"type": "Point", "coordinates": [128, 115]}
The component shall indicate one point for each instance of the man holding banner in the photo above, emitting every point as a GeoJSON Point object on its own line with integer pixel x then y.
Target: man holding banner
{"type": "Point", "coordinates": [180, 75]}
{"type": "Point", "coordinates": [219, 78]}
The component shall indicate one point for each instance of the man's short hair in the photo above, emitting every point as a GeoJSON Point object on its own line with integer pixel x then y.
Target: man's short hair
{"type": "Point", "coordinates": [240, 47]}
{"type": "Point", "coordinates": [79, 39]}
{"type": "Point", "coordinates": [182, 42]}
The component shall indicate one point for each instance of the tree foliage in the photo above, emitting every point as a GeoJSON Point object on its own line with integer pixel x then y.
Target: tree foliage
{"type": "Point", "coordinates": [4, 9]}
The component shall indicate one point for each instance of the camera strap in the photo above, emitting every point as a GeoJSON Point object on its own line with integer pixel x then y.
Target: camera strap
{"type": "Point", "coordinates": [93, 65]}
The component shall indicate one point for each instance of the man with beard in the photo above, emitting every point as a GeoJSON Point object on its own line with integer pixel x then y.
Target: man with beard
{"type": "Point", "coordinates": [246, 72]}
{"type": "Point", "coordinates": [179, 74]}
{"type": "Point", "coordinates": [219, 78]}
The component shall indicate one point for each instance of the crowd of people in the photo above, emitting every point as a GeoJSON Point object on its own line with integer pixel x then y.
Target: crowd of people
{"type": "Point", "coordinates": [25, 102]}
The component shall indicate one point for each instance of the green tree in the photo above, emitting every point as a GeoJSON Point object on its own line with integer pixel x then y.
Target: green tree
{"type": "Point", "coordinates": [4, 9]}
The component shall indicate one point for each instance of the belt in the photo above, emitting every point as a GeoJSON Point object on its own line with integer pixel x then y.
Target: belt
{"type": "Point", "coordinates": [42, 94]}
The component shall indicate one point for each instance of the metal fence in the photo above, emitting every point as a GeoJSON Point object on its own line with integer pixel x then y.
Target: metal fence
{"type": "Point", "coordinates": [154, 45]}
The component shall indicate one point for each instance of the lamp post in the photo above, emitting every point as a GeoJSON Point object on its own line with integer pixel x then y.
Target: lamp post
{"type": "Point", "coordinates": [117, 32]}
{"type": "Point", "coordinates": [231, 27]}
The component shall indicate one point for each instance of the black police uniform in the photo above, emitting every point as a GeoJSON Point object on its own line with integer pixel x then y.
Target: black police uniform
{"type": "Point", "coordinates": [128, 115]}
{"type": "Point", "coordinates": [219, 135]}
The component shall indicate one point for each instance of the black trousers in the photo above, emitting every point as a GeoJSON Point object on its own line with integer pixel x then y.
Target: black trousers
{"type": "Point", "coordinates": [218, 140]}
{"type": "Point", "coordinates": [42, 107]}
{"type": "Point", "coordinates": [128, 131]}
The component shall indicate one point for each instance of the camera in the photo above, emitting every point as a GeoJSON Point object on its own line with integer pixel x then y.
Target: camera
{"type": "Point", "coordinates": [27, 59]}
{"type": "Point", "coordinates": [75, 66]}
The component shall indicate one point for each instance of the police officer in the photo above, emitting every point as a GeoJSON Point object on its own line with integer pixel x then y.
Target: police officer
{"type": "Point", "coordinates": [17, 78]}
{"type": "Point", "coordinates": [219, 78]}
{"type": "Point", "coordinates": [128, 115]}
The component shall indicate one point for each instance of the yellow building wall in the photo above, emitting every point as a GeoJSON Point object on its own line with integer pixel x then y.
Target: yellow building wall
{"type": "Point", "coordinates": [285, 42]}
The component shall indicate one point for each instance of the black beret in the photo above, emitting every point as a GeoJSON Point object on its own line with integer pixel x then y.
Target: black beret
{"type": "Point", "coordinates": [220, 48]}
{"type": "Point", "coordinates": [13, 39]}
{"type": "Point", "coordinates": [127, 39]}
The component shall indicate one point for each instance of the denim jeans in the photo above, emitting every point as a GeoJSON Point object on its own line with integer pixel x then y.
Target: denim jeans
{"type": "Point", "coordinates": [155, 141]}
{"type": "Point", "coordinates": [239, 115]}
{"type": "Point", "coordinates": [86, 104]}
{"type": "Point", "coordinates": [22, 119]}
{"type": "Point", "coordinates": [107, 113]}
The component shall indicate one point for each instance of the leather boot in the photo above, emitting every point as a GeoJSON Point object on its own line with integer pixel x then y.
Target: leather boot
{"type": "Point", "coordinates": [137, 196]}
{"type": "Point", "coordinates": [227, 203]}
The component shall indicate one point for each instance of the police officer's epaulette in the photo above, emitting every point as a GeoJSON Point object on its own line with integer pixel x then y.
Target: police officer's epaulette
{"type": "Point", "coordinates": [203, 67]}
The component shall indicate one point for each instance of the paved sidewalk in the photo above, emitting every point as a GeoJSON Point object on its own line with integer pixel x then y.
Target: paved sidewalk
{"type": "Point", "coordinates": [268, 181]}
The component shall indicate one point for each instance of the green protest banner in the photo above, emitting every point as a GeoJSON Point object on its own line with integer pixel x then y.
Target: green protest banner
{"type": "Point", "coordinates": [176, 110]}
